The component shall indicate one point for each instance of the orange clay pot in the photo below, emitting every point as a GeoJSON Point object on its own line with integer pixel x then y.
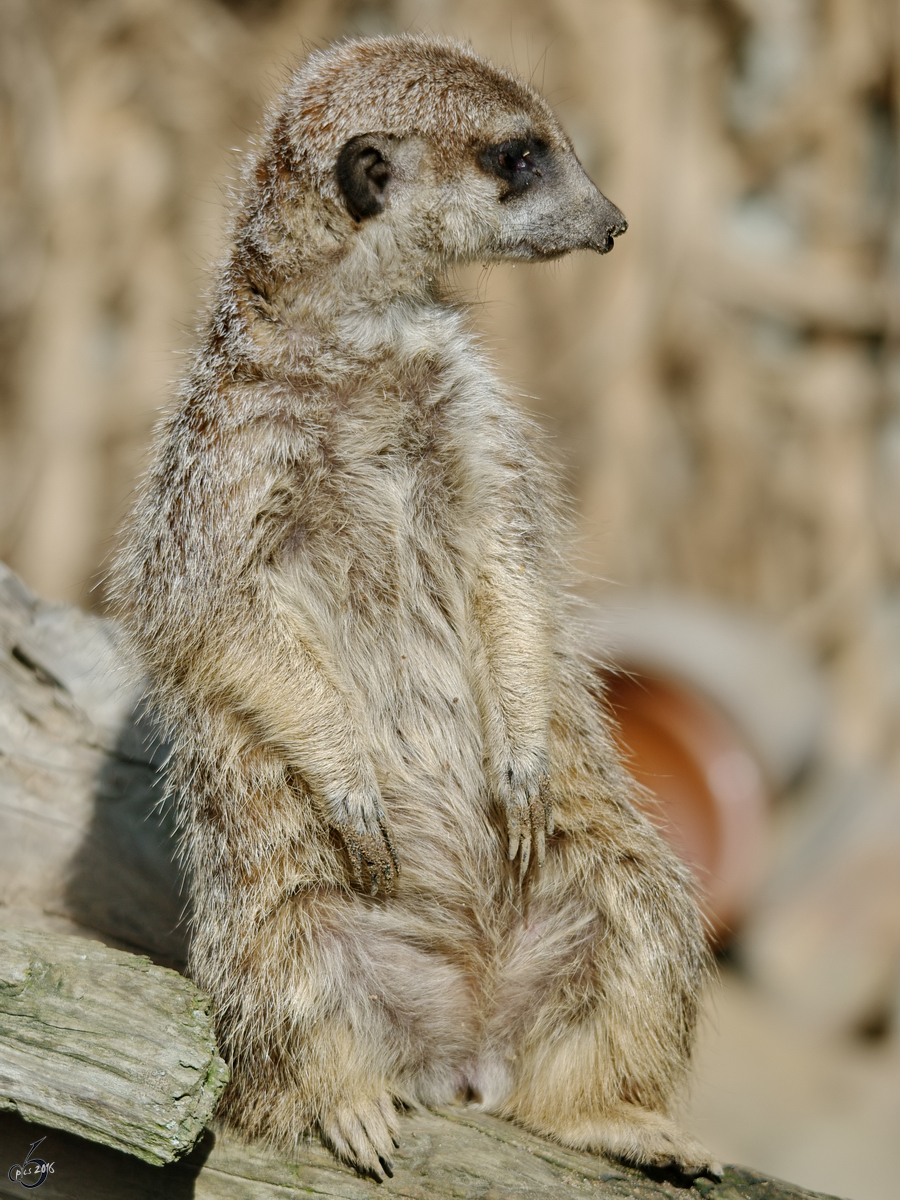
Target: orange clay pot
{"type": "Point", "coordinates": [708, 798]}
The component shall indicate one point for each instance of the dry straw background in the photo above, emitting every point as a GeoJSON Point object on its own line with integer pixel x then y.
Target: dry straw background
{"type": "Point", "coordinates": [723, 390]}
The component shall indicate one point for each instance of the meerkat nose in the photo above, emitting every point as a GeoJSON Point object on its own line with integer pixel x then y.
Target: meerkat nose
{"type": "Point", "coordinates": [612, 225]}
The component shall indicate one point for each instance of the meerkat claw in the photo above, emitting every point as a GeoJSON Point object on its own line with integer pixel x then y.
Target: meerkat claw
{"type": "Point", "coordinates": [539, 813]}
{"type": "Point", "coordinates": [361, 824]}
{"type": "Point", "coordinates": [529, 818]}
{"type": "Point", "coordinates": [360, 1135]}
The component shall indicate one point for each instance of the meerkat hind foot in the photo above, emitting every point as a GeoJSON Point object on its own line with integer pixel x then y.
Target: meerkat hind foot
{"type": "Point", "coordinates": [363, 1134]}
{"type": "Point", "coordinates": [641, 1138]}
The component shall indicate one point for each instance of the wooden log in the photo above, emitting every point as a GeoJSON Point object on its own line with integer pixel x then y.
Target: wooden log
{"type": "Point", "coordinates": [456, 1154]}
{"type": "Point", "coordinates": [105, 1044]}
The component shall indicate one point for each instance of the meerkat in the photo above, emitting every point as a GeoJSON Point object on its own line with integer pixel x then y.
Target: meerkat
{"type": "Point", "coordinates": [416, 871]}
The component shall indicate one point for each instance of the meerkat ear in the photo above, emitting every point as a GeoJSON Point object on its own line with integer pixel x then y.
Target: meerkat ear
{"type": "Point", "coordinates": [363, 173]}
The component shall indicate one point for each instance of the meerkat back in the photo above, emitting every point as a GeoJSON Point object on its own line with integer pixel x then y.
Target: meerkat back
{"type": "Point", "coordinates": [416, 873]}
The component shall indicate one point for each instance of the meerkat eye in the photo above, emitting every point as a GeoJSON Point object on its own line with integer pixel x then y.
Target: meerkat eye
{"type": "Point", "coordinates": [509, 162]}
{"type": "Point", "coordinates": [517, 162]}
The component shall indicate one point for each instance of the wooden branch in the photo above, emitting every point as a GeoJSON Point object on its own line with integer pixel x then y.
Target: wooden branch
{"type": "Point", "coordinates": [102, 1045]}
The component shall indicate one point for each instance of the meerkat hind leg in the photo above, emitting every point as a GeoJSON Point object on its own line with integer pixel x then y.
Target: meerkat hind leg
{"type": "Point", "coordinates": [597, 997]}
{"type": "Point", "coordinates": [558, 1097]}
{"type": "Point", "coordinates": [330, 1086]}
{"type": "Point", "coordinates": [351, 1110]}
{"type": "Point", "coordinates": [366, 1018]}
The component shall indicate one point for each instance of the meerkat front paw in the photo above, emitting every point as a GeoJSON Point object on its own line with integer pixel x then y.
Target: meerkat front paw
{"type": "Point", "coordinates": [359, 819]}
{"type": "Point", "coordinates": [524, 791]}
{"type": "Point", "coordinates": [363, 1134]}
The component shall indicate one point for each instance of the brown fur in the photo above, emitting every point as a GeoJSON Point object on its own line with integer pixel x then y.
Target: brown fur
{"type": "Point", "coordinates": [417, 873]}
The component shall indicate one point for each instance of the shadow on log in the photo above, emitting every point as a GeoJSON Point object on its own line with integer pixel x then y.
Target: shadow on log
{"type": "Point", "coordinates": [84, 843]}
{"type": "Point", "coordinates": [85, 850]}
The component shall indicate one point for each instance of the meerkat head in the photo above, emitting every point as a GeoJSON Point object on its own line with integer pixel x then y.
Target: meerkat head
{"type": "Point", "coordinates": [415, 150]}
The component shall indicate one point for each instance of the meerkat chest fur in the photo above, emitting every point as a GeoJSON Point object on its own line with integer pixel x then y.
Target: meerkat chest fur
{"type": "Point", "coordinates": [421, 451]}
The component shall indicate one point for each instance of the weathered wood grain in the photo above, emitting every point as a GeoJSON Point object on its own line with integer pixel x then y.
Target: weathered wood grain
{"type": "Point", "coordinates": [105, 1044]}
{"type": "Point", "coordinates": [458, 1154]}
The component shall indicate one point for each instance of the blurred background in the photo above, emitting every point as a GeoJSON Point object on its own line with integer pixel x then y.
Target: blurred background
{"type": "Point", "coordinates": [722, 394]}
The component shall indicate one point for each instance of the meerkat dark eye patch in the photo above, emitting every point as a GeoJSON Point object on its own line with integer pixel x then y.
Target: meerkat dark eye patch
{"type": "Point", "coordinates": [518, 162]}
{"type": "Point", "coordinates": [364, 172]}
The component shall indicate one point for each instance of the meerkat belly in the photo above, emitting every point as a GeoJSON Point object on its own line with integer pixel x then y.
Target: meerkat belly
{"type": "Point", "coordinates": [424, 729]}
{"type": "Point", "coordinates": [412, 693]}
{"type": "Point", "coordinates": [392, 580]}
{"type": "Point", "coordinates": [405, 654]}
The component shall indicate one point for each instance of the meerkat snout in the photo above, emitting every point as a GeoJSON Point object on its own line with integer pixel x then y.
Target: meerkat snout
{"type": "Point", "coordinates": [611, 222]}
{"type": "Point", "coordinates": [594, 218]}
{"type": "Point", "coordinates": [547, 204]}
